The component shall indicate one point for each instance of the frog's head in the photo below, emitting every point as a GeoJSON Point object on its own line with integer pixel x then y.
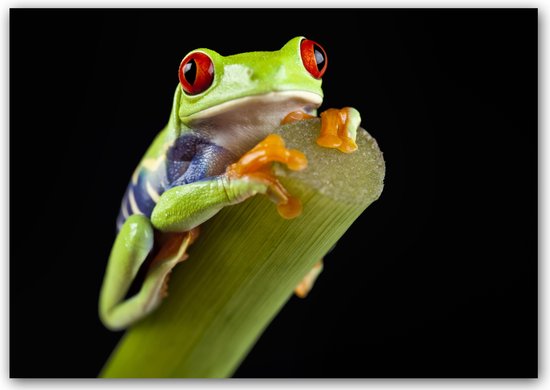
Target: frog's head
{"type": "Point", "coordinates": [237, 100]}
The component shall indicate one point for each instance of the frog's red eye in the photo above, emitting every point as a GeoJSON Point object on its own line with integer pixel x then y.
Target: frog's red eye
{"type": "Point", "coordinates": [314, 58]}
{"type": "Point", "coordinates": [196, 73]}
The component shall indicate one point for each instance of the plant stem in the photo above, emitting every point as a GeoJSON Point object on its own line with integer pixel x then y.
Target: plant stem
{"type": "Point", "coordinates": [247, 262]}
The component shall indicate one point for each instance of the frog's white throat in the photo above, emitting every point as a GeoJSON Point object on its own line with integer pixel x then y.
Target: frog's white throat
{"type": "Point", "coordinates": [240, 124]}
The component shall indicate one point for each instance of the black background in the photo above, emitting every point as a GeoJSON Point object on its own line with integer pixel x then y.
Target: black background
{"type": "Point", "coordinates": [438, 278]}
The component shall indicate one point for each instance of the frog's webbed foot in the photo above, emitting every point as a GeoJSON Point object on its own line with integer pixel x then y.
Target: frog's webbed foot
{"type": "Point", "coordinates": [338, 127]}
{"type": "Point", "coordinates": [306, 284]}
{"type": "Point", "coordinates": [173, 250]}
{"type": "Point", "coordinates": [256, 165]}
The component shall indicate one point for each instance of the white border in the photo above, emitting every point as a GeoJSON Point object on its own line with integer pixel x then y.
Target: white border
{"type": "Point", "coordinates": [544, 235]}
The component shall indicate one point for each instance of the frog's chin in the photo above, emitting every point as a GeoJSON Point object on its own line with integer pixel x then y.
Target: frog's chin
{"type": "Point", "coordinates": [240, 124]}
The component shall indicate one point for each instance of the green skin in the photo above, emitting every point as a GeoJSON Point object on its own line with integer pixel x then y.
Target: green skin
{"type": "Point", "coordinates": [249, 96]}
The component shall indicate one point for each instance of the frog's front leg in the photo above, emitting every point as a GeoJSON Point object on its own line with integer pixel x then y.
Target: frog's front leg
{"type": "Point", "coordinates": [338, 127]}
{"type": "Point", "coordinates": [186, 206]}
{"type": "Point", "coordinates": [132, 246]}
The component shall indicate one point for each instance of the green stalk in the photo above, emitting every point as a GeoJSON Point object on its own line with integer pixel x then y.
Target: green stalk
{"type": "Point", "coordinates": [247, 262]}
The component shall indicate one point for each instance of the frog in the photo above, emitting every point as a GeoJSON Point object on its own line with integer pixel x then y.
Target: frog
{"type": "Point", "coordinates": [214, 152]}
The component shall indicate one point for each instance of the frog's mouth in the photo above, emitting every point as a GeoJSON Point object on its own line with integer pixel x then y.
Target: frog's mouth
{"type": "Point", "coordinates": [240, 124]}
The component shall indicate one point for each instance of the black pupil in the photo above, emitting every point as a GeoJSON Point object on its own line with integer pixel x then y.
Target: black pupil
{"type": "Point", "coordinates": [319, 57]}
{"type": "Point", "coordinates": [190, 71]}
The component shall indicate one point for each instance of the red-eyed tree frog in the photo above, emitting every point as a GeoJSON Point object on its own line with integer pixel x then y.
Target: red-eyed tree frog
{"type": "Point", "coordinates": [213, 153]}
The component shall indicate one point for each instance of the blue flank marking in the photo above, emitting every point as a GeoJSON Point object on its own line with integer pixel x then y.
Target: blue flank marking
{"type": "Point", "coordinates": [189, 159]}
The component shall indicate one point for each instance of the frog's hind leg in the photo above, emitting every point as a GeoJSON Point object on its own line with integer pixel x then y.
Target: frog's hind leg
{"type": "Point", "coordinates": [130, 250]}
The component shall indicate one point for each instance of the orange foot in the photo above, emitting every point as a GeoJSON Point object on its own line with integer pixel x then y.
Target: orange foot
{"type": "Point", "coordinates": [173, 250]}
{"type": "Point", "coordinates": [335, 127]}
{"type": "Point", "coordinates": [256, 164]}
